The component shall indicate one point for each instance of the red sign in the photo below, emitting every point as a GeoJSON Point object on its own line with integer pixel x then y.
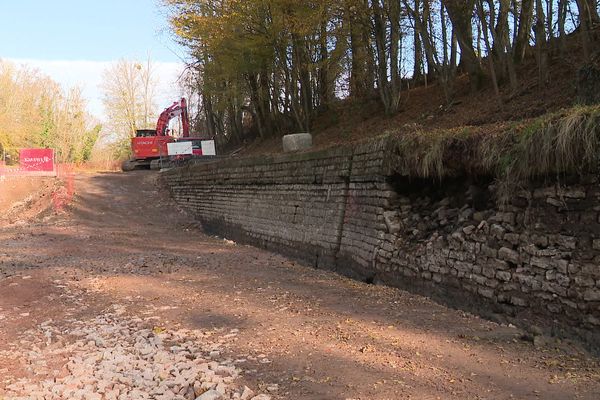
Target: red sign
{"type": "Point", "coordinates": [41, 160]}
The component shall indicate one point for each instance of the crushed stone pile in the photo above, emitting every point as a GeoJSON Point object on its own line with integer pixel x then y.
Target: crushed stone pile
{"type": "Point", "coordinates": [116, 357]}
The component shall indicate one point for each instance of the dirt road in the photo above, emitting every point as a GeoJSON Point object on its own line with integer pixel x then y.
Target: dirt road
{"type": "Point", "coordinates": [121, 296]}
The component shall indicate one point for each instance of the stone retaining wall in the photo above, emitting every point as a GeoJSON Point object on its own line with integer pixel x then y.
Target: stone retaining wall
{"type": "Point", "coordinates": [533, 260]}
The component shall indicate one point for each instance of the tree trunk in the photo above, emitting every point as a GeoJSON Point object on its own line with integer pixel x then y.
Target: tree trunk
{"type": "Point", "coordinates": [257, 99]}
{"type": "Point", "coordinates": [500, 37]}
{"type": "Point", "coordinates": [265, 103]}
{"type": "Point", "coordinates": [550, 18]}
{"type": "Point", "coordinates": [454, 51]}
{"type": "Point", "coordinates": [210, 115]}
{"type": "Point", "coordinates": [325, 87]}
{"type": "Point", "coordinates": [418, 69]}
{"type": "Point", "coordinates": [541, 42]}
{"type": "Point", "coordinates": [395, 37]}
{"type": "Point", "coordinates": [235, 124]}
{"type": "Point", "coordinates": [427, 24]}
{"type": "Point", "coordinates": [490, 58]}
{"type": "Point", "coordinates": [301, 64]}
{"type": "Point", "coordinates": [588, 16]}
{"type": "Point", "coordinates": [524, 29]}
{"type": "Point", "coordinates": [460, 13]}
{"type": "Point", "coordinates": [379, 32]}
{"type": "Point", "coordinates": [562, 18]}
{"type": "Point", "coordinates": [359, 70]}
{"type": "Point", "coordinates": [588, 11]}
{"type": "Point", "coordinates": [448, 70]}
{"type": "Point", "coordinates": [444, 26]}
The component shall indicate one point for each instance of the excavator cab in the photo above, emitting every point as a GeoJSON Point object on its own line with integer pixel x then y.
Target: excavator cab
{"type": "Point", "coordinates": [145, 132]}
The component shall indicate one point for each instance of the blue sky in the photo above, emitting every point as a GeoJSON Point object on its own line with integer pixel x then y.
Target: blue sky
{"type": "Point", "coordinates": [94, 30]}
{"type": "Point", "coordinates": [74, 41]}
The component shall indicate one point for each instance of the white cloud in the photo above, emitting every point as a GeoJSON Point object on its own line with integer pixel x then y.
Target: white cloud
{"type": "Point", "coordinates": [88, 76]}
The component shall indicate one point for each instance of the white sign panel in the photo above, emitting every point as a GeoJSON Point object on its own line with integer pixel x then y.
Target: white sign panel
{"type": "Point", "coordinates": [179, 148]}
{"type": "Point", "coordinates": [208, 148]}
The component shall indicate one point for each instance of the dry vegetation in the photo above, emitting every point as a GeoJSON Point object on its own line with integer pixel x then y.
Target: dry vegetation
{"type": "Point", "coordinates": [561, 142]}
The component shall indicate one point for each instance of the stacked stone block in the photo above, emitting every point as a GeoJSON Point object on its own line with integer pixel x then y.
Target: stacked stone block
{"type": "Point", "coordinates": [535, 257]}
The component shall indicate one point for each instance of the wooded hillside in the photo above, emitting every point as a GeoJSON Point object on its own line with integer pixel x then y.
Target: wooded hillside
{"type": "Point", "coordinates": [286, 63]}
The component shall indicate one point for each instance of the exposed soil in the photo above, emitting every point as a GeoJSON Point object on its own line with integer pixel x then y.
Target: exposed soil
{"type": "Point", "coordinates": [122, 256]}
{"type": "Point", "coordinates": [18, 191]}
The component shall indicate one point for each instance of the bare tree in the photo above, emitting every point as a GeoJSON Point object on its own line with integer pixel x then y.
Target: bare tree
{"type": "Point", "coordinates": [128, 100]}
{"type": "Point", "coordinates": [148, 82]}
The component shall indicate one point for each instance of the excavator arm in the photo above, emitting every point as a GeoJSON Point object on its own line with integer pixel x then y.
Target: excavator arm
{"type": "Point", "coordinates": [175, 110]}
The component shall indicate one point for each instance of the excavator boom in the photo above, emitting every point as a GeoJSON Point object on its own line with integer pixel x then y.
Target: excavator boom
{"type": "Point", "coordinates": [178, 108]}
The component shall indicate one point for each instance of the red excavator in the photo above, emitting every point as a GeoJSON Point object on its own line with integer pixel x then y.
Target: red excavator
{"type": "Point", "coordinates": [150, 145]}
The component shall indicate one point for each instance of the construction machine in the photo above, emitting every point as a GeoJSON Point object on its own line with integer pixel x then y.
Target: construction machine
{"type": "Point", "coordinates": [149, 146]}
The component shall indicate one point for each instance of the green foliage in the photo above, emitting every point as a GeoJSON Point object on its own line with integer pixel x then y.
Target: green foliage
{"type": "Point", "coordinates": [120, 149]}
{"type": "Point", "coordinates": [90, 138]}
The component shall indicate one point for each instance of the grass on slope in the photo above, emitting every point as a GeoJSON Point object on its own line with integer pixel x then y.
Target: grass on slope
{"type": "Point", "coordinates": [562, 142]}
